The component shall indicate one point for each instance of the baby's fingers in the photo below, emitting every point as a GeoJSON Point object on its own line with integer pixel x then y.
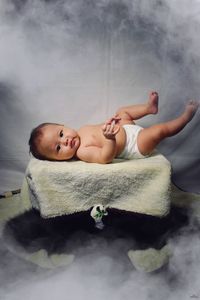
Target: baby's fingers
{"type": "Point", "coordinates": [104, 127]}
{"type": "Point", "coordinates": [109, 121]}
{"type": "Point", "coordinates": [106, 130]}
{"type": "Point", "coordinates": [116, 118]}
{"type": "Point", "coordinates": [117, 129]}
{"type": "Point", "coordinates": [112, 125]}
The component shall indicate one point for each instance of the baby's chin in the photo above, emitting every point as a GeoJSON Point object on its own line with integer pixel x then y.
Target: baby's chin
{"type": "Point", "coordinates": [67, 158]}
{"type": "Point", "coordinates": [76, 144]}
{"type": "Point", "coordinates": [73, 155]}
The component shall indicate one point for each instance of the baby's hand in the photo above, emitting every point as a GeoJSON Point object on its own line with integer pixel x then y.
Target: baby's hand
{"type": "Point", "coordinates": [110, 129]}
{"type": "Point", "coordinates": [115, 118]}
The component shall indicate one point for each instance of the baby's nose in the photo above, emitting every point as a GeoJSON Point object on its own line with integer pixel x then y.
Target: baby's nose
{"type": "Point", "coordinates": [66, 141]}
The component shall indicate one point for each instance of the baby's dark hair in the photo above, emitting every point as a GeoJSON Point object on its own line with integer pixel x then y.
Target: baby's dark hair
{"type": "Point", "coordinates": [35, 137]}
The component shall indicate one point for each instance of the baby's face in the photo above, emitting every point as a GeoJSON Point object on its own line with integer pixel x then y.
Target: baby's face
{"type": "Point", "coordinates": [58, 142]}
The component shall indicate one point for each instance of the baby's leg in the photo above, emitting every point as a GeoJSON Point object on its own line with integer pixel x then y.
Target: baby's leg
{"type": "Point", "coordinates": [149, 138]}
{"type": "Point", "coordinates": [134, 112]}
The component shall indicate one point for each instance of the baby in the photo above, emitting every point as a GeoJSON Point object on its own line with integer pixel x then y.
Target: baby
{"type": "Point", "coordinates": [119, 137]}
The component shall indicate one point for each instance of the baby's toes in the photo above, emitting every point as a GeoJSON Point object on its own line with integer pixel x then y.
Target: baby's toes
{"type": "Point", "coordinates": [194, 103]}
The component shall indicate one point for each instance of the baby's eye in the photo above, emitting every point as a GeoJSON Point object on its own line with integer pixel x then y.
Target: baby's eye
{"type": "Point", "coordinates": [61, 133]}
{"type": "Point", "coordinates": [58, 148]}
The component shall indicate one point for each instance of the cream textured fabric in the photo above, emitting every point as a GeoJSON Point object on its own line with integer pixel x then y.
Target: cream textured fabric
{"type": "Point", "coordinates": [59, 188]}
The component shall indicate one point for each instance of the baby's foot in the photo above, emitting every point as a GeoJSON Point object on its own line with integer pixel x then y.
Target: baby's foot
{"type": "Point", "coordinates": [191, 109]}
{"type": "Point", "coordinates": [153, 103]}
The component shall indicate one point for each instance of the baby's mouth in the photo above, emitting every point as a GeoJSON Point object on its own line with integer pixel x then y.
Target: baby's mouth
{"type": "Point", "coordinates": [72, 142]}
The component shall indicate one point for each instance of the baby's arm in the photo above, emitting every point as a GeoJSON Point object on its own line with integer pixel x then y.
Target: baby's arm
{"type": "Point", "coordinates": [109, 131]}
{"type": "Point", "coordinates": [94, 154]}
{"type": "Point", "coordinates": [107, 152]}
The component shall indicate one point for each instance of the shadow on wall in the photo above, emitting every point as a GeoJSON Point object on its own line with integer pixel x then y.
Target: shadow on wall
{"type": "Point", "coordinates": [13, 117]}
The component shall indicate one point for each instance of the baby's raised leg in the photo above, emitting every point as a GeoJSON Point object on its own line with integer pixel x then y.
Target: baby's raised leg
{"type": "Point", "coordinates": [135, 112]}
{"type": "Point", "coordinates": [149, 138]}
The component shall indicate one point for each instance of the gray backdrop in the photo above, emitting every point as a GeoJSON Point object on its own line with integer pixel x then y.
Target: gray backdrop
{"type": "Point", "coordinates": [76, 62]}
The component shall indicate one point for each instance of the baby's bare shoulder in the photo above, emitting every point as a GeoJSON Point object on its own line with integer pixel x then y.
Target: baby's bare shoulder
{"type": "Point", "coordinates": [90, 126]}
{"type": "Point", "coordinates": [91, 135]}
{"type": "Point", "coordinates": [86, 129]}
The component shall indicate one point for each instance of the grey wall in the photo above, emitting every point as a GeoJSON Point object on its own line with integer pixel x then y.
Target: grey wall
{"type": "Point", "coordinates": [77, 61]}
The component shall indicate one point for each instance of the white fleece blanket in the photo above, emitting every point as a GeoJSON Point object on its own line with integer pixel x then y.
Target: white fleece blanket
{"type": "Point", "coordinates": [61, 188]}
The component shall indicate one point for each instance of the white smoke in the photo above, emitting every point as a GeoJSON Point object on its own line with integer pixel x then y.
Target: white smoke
{"type": "Point", "coordinates": [77, 62]}
{"type": "Point", "coordinates": [97, 275]}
